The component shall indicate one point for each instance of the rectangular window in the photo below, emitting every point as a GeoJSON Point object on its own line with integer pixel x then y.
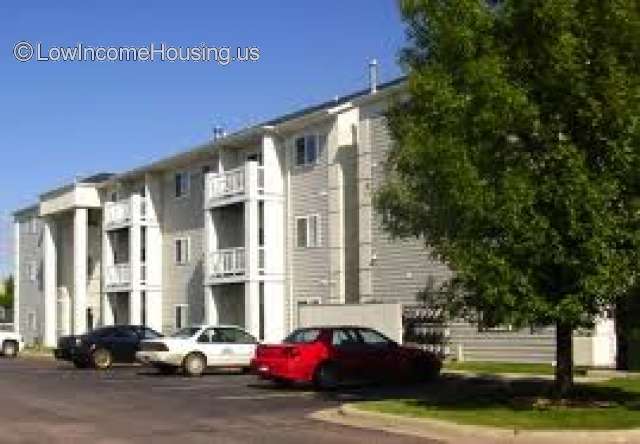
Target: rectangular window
{"type": "Point", "coordinates": [308, 231]}
{"type": "Point", "coordinates": [90, 319]}
{"type": "Point", "coordinates": [31, 321]}
{"type": "Point", "coordinates": [143, 307]}
{"type": "Point", "coordinates": [32, 271]}
{"type": "Point", "coordinates": [182, 184]}
{"type": "Point", "coordinates": [309, 149]}
{"type": "Point", "coordinates": [33, 225]}
{"type": "Point", "coordinates": [181, 316]}
{"type": "Point", "coordinates": [182, 251]}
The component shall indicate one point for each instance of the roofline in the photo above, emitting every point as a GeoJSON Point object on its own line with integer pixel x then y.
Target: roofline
{"type": "Point", "coordinates": [23, 210]}
{"type": "Point", "coordinates": [361, 97]}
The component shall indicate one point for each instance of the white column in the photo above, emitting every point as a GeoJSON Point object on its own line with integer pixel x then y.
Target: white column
{"type": "Point", "coordinates": [135, 239]}
{"type": "Point", "coordinates": [80, 239]}
{"type": "Point", "coordinates": [16, 277]}
{"type": "Point", "coordinates": [50, 271]}
{"type": "Point", "coordinates": [107, 317]}
{"type": "Point", "coordinates": [251, 294]}
{"type": "Point", "coordinates": [211, 315]}
{"type": "Point", "coordinates": [274, 242]}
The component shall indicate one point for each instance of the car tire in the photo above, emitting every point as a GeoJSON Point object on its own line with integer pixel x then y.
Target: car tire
{"type": "Point", "coordinates": [102, 359]}
{"type": "Point", "coordinates": [326, 377]}
{"type": "Point", "coordinates": [10, 349]}
{"type": "Point", "coordinates": [80, 364]}
{"type": "Point", "coordinates": [194, 364]}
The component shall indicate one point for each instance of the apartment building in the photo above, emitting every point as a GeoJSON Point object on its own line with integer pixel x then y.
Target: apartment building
{"type": "Point", "coordinates": [244, 229]}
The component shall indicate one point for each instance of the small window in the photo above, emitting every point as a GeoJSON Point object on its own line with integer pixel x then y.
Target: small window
{"type": "Point", "coordinates": [303, 336]}
{"type": "Point", "coordinates": [31, 321]}
{"type": "Point", "coordinates": [344, 337]}
{"type": "Point", "coordinates": [308, 231]}
{"type": "Point", "coordinates": [309, 149]}
{"type": "Point", "coordinates": [181, 316]}
{"type": "Point", "coordinates": [32, 226]}
{"type": "Point", "coordinates": [90, 319]}
{"type": "Point", "coordinates": [32, 271]}
{"type": "Point", "coordinates": [372, 337]}
{"type": "Point", "coordinates": [233, 336]}
{"type": "Point", "coordinates": [182, 251]}
{"type": "Point", "coordinates": [182, 184]}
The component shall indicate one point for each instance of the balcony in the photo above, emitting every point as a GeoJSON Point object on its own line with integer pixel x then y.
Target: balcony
{"type": "Point", "coordinates": [229, 263]}
{"type": "Point", "coordinates": [233, 185]}
{"type": "Point", "coordinates": [124, 212]}
{"type": "Point", "coordinates": [118, 276]}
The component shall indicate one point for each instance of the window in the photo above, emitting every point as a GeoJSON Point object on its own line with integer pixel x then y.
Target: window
{"type": "Point", "coordinates": [181, 316]}
{"type": "Point", "coordinates": [303, 336]}
{"type": "Point", "coordinates": [344, 337]}
{"type": "Point", "coordinates": [309, 149]}
{"type": "Point", "coordinates": [32, 271]}
{"type": "Point", "coordinates": [32, 225]}
{"type": "Point", "coordinates": [89, 319]}
{"type": "Point", "coordinates": [31, 321]}
{"type": "Point", "coordinates": [372, 337]}
{"type": "Point", "coordinates": [233, 336]}
{"type": "Point", "coordinates": [182, 184]}
{"type": "Point", "coordinates": [308, 231]}
{"type": "Point", "coordinates": [147, 333]}
{"type": "Point", "coordinates": [182, 251]}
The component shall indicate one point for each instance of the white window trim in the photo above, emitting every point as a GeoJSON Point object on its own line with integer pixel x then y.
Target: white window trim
{"type": "Point", "coordinates": [186, 315]}
{"type": "Point", "coordinates": [308, 217]}
{"type": "Point", "coordinates": [32, 271]}
{"type": "Point", "coordinates": [319, 152]}
{"type": "Point", "coordinates": [187, 192]}
{"type": "Point", "coordinates": [186, 240]}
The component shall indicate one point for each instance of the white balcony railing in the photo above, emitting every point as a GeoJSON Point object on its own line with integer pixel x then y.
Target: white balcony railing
{"type": "Point", "coordinates": [117, 212]}
{"type": "Point", "coordinates": [234, 182]}
{"type": "Point", "coordinates": [229, 261]}
{"type": "Point", "coordinates": [118, 275]}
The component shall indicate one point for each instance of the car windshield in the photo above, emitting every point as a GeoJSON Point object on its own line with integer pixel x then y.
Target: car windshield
{"type": "Point", "coordinates": [185, 333]}
{"type": "Point", "coordinates": [303, 336]}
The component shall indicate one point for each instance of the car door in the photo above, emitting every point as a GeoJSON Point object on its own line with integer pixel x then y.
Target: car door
{"type": "Point", "coordinates": [348, 353]}
{"type": "Point", "coordinates": [124, 344]}
{"type": "Point", "coordinates": [239, 346]}
{"type": "Point", "coordinates": [379, 357]}
{"type": "Point", "coordinates": [209, 343]}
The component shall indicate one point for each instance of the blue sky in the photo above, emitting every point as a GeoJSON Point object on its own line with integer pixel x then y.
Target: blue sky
{"type": "Point", "coordinates": [59, 120]}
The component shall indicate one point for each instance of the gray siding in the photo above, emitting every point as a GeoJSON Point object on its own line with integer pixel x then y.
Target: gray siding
{"type": "Point", "coordinates": [31, 291]}
{"type": "Point", "coordinates": [401, 266]}
{"type": "Point", "coordinates": [309, 196]}
{"type": "Point", "coordinates": [183, 218]}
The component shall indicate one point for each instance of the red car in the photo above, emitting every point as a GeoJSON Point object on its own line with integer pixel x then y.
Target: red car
{"type": "Point", "coordinates": [331, 356]}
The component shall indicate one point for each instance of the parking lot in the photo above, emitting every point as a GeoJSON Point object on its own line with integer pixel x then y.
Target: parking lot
{"type": "Point", "coordinates": [47, 401]}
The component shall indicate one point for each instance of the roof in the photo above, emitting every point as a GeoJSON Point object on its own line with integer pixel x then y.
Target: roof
{"type": "Point", "coordinates": [244, 134]}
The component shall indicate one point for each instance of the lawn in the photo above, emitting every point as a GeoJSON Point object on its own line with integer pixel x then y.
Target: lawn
{"type": "Point", "coordinates": [504, 367]}
{"type": "Point", "coordinates": [614, 404]}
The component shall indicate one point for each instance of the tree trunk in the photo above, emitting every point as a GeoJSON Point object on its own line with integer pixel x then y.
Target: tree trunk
{"type": "Point", "coordinates": [564, 359]}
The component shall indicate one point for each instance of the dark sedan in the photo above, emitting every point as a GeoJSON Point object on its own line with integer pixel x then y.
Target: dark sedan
{"type": "Point", "coordinates": [104, 346]}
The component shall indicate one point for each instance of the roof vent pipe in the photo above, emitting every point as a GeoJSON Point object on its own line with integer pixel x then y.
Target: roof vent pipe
{"type": "Point", "coordinates": [373, 76]}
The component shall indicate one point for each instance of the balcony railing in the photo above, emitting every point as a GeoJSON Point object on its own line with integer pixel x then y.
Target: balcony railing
{"type": "Point", "coordinates": [227, 262]}
{"type": "Point", "coordinates": [116, 213]}
{"type": "Point", "coordinates": [234, 182]}
{"type": "Point", "coordinates": [118, 275]}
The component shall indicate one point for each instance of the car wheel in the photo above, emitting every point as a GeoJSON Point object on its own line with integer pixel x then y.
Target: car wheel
{"type": "Point", "coordinates": [10, 349]}
{"type": "Point", "coordinates": [194, 364]}
{"type": "Point", "coordinates": [80, 364]}
{"type": "Point", "coordinates": [326, 377]}
{"type": "Point", "coordinates": [102, 359]}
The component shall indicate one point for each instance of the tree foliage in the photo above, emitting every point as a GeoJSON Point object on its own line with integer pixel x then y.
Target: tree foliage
{"type": "Point", "coordinates": [517, 152]}
{"type": "Point", "coordinates": [6, 297]}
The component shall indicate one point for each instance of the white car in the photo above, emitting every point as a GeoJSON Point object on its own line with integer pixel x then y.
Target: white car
{"type": "Point", "coordinates": [193, 349]}
{"type": "Point", "coordinates": [11, 343]}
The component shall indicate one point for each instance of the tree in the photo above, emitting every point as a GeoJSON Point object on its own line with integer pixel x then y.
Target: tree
{"type": "Point", "coordinates": [516, 155]}
{"type": "Point", "coordinates": [6, 298]}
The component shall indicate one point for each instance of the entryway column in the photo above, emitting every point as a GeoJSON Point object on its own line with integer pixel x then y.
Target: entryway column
{"type": "Point", "coordinates": [80, 239]}
{"type": "Point", "coordinates": [252, 252]}
{"type": "Point", "coordinates": [50, 271]}
{"type": "Point", "coordinates": [135, 248]}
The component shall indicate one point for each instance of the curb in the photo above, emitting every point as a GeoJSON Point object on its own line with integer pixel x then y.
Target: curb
{"type": "Point", "coordinates": [444, 431]}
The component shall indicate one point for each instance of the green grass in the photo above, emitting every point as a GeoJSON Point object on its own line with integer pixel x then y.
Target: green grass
{"type": "Point", "coordinates": [614, 404]}
{"type": "Point", "coordinates": [504, 367]}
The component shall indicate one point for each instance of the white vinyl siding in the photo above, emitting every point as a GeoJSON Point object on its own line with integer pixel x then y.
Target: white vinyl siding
{"type": "Point", "coordinates": [32, 271]}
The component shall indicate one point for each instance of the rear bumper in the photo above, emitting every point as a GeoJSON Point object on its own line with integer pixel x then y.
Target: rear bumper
{"type": "Point", "coordinates": [281, 369]}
